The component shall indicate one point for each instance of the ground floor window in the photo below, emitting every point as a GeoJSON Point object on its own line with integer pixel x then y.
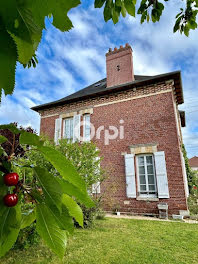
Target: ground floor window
{"type": "Point", "coordinates": [68, 128]}
{"type": "Point", "coordinates": [146, 175]}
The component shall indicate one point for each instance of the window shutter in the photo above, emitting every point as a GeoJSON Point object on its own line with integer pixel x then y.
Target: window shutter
{"type": "Point", "coordinates": [57, 130]}
{"type": "Point", "coordinates": [130, 176]}
{"type": "Point", "coordinates": [185, 176]}
{"type": "Point", "coordinates": [161, 174]}
{"type": "Point", "coordinates": [96, 188]}
{"type": "Point", "coordinates": [76, 128]}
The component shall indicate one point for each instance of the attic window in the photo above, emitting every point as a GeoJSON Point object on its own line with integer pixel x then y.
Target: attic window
{"type": "Point", "coordinates": [99, 84]}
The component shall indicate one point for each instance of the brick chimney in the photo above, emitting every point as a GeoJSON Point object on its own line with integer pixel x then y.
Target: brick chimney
{"type": "Point", "coordinates": [119, 65]}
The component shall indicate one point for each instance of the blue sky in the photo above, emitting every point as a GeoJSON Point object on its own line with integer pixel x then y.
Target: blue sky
{"type": "Point", "coordinates": [72, 60]}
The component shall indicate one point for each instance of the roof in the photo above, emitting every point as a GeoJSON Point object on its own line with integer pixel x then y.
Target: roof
{"type": "Point", "coordinates": [100, 88]}
{"type": "Point", "coordinates": [193, 162]}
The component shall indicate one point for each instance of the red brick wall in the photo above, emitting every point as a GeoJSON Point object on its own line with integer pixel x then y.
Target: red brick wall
{"type": "Point", "coordinates": [146, 120]}
{"type": "Point", "coordinates": [47, 126]}
{"type": "Point", "coordinates": [149, 119]}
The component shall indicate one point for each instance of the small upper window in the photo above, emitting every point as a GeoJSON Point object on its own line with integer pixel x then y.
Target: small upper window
{"type": "Point", "coordinates": [146, 175]}
{"type": "Point", "coordinates": [68, 128]}
{"type": "Point", "coordinates": [87, 128]}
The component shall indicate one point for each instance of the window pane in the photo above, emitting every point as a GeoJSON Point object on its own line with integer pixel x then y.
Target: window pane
{"type": "Point", "coordinates": [149, 159]}
{"type": "Point", "coordinates": [140, 161]}
{"type": "Point", "coordinates": [142, 179]}
{"type": "Point", "coordinates": [87, 126]}
{"type": "Point", "coordinates": [67, 128]}
{"type": "Point", "coordinates": [71, 128]}
{"type": "Point", "coordinates": [150, 169]}
{"type": "Point", "coordinates": [151, 187]}
{"type": "Point", "coordinates": [151, 179]}
{"type": "Point", "coordinates": [142, 187]}
{"type": "Point", "coordinates": [141, 170]}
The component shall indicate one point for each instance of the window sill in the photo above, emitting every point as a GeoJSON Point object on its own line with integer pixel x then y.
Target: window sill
{"type": "Point", "coordinates": [150, 199]}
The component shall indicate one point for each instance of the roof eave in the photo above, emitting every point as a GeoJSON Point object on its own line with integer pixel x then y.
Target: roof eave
{"type": "Point", "coordinates": [176, 76]}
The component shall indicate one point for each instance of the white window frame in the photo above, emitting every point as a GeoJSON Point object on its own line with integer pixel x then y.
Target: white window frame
{"type": "Point", "coordinates": [71, 128]}
{"type": "Point", "coordinates": [85, 137]}
{"type": "Point", "coordinates": [146, 176]}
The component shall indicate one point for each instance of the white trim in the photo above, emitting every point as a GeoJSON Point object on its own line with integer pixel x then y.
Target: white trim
{"type": "Point", "coordinates": [50, 115]}
{"type": "Point", "coordinates": [134, 98]}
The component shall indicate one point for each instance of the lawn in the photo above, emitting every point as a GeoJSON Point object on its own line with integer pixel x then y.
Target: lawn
{"type": "Point", "coordinates": [121, 241]}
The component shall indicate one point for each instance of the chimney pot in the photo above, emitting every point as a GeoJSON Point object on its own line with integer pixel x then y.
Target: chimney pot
{"type": "Point", "coordinates": [121, 47]}
{"type": "Point", "coordinates": [127, 45]}
{"type": "Point", "coordinates": [110, 49]}
{"type": "Point", "coordinates": [115, 49]}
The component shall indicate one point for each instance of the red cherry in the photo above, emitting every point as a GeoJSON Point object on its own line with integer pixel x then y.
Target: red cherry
{"type": "Point", "coordinates": [10, 200]}
{"type": "Point", "coordinates": [11, 179]}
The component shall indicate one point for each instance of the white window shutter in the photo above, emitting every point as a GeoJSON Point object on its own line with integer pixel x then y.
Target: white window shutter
{"type": "Point", "coordinates": [161, 174]}
{"type": "Point", "coordinates": [130, 175]}
{"type": "Point", "coordinates": [57, 130]}
{"type": "Point", "coordinates": [76, 129]}
{"type": "Point", "coordinates": [185, 176]}
{"type": "Point", "coordinates": [96, 188]}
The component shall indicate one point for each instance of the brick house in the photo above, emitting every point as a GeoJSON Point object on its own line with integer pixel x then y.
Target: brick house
{"type": "Point", "coordinates": [193, 162]}
{"type": "Point", "coordinates": [135, 122]}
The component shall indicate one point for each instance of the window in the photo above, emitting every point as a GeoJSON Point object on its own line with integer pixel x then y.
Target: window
{"type": "Point", "coordinates": [68, 131]}
{"type": "Point", "coordinates": [87, 130]}
{"type": "Point", "coordinates": [146, 175]}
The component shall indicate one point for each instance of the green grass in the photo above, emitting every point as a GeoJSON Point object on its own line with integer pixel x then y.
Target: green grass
{"type": "Point", "coordinates": [121, 241]}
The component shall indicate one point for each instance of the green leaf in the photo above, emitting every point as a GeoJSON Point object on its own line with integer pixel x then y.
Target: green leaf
{"type": "Point", "coordinates": [30, 139]}
{"type": "Point", "coordinates": [51, 188]}
{"type": "Point", "coordinates": [130, 7]}
{"type": "Point", "coordinates": [118, 3]}
{"type": "Point", "coordinates": [3, 190]}
{"type": "Point", "coordinates": [2, 139]}
{"type": "Point", "coordinates": [27, 34]}
{"type": "Point", "coordinates": [28, 218]}
{"type": "Point", "coordinates": [63, 219]}
{"type": "Point", "coordinates": [7, 63]}
{"type": "Point", "coordinates": [177, 23]}
{"type": "Point", "coordinates": [58, 9]}
{"type": "Point", "coordinates": [50, 231]}
{"type": "Point", "coordinates": [192, 24]}
{"type": "Point", "coordinates": [143, 17]}
{"type": "Point", "coordinates": [115, 16]}
{"type": "Point", "coordinates": [73, 208]}
{"type": "Point", "coordinates": [22, 23]}
{"type": "Point", "coordinates": [186, 30]}
{"type": "Point", "coordinates": [10, 218]}
{"type": "Point", "coordinates": [64, 167]}
{"type": "Point", "coordinates": [99, 3]}
{"type": "Point", "coordinates": [107, 11]}
{"type": "Point", "coordinates": [123, 10]}
{"type": "Point", "coordinates": [72, 190]}
{"type": "Point", "coordinates": [1, 151]}
{"type": "Point", "coordinates": [11, 127]}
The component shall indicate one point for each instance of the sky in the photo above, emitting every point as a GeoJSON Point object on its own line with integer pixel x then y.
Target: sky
{"type": "Point", "coordinates": [72, 60]}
